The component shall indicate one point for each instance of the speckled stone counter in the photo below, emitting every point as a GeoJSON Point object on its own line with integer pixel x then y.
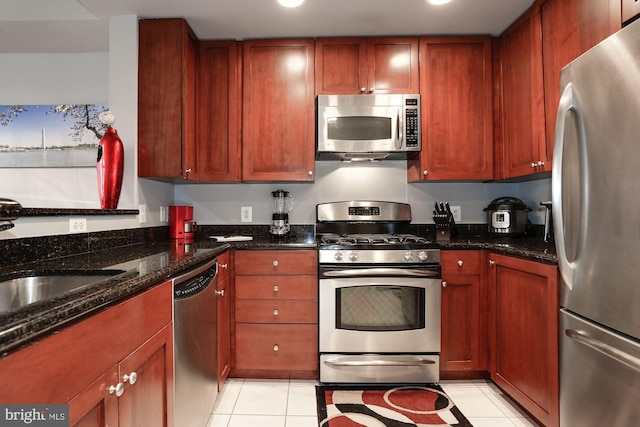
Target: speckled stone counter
{"type": "Point", "coordinates": [530, 248]}
{"type": "Point", "coordinates": [145, 265]}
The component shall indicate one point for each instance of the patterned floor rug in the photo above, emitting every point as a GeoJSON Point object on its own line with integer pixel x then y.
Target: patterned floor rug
{"type": "Point", "coordinates": [396, 406]}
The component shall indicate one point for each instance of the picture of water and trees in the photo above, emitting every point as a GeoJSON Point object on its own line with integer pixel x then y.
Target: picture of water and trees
{"type": "Point", "coordinates": [36, 136]}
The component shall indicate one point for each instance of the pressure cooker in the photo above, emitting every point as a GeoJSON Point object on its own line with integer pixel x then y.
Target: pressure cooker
{"type": "Point", "coordinates": [507, 216]}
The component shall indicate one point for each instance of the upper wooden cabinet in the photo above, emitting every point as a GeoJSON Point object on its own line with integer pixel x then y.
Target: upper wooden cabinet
{"type": "Point", "coordinates": [166, 99]}
{"type": "Point", "coordinates": [570, 28]}
{"type": "Point", "coordinates": [524, 148]}
{"type": "Point", "coordinates": [219, 112]}
{"type": "Point", "coordinates": [457, 111]}
{"type": "Point", "coordinates": [355, 65]}
{"type": "Point", "coordinates": [278, 110]}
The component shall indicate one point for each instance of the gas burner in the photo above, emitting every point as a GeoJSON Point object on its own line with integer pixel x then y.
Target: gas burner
{"type": "Point", "coordinates": [354, 240]}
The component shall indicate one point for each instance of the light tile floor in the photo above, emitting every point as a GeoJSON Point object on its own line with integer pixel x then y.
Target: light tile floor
{"type": "Point", "coordinates": [283, 403]}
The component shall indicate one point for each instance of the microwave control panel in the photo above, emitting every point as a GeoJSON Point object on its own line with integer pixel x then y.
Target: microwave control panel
{"type": "Point", "coordinates": [412, 128]}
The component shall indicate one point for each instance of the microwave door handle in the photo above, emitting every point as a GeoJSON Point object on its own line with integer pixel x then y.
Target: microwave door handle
{"type": "Point", "coordinates": [399, 142]}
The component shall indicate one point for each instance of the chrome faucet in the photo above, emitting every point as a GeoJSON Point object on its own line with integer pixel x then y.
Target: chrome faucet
{"type": "Point", "coordinates": [9, 212]}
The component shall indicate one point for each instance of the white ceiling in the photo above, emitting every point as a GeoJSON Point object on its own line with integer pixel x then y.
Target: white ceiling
{"type": "Point", "coordinates": [39, 26]}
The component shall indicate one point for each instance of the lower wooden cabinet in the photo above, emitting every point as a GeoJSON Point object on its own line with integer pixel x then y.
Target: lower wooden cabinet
{"type": "Point", "coordinates": [113, 369]}
{"type": "Point", "coordinates": [524, 304]}
{"type": "Point", "coordinates": [464, 345]}
{"type": "Point", "coordinates": [276, 314]}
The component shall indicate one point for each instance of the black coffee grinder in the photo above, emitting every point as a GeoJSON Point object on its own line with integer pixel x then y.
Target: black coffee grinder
{"type": "Point", "coordinates": [282, 205]}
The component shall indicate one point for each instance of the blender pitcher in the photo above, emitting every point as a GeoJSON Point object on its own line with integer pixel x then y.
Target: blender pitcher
{"type": "Point", "coordinates": [282, 205]}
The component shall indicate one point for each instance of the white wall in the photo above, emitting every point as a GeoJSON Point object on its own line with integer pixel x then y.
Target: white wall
{"type": "Point", "coordinates": [221, 203]}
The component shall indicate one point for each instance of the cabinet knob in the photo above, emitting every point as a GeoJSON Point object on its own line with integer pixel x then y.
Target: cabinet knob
{"type": "Point", "coordinates": [310, 173]}
{"type": "Point", "coordinates": [492, 262]}
{"type": "Point", "coordinates": [276, 348]}
{"type": "Point", "coordinates": [275, 288]}
{"type": "Point", "coordinates": [188, 170]}
{"type": "Point", "coordinates": [425, 172]}
{"type": "Point", "coordinates": [225, 266]}
{"type": "Point", "coordinates": [118, 389]}
{"type": "Point", "coordinates": [275, 263]}
{"type": "Point", "coordinates": [371, 89]}
{"type": "Point", "coordinates": [540, 163]}
{"type": "Point", "coordinates": [276, 312]}
{"type": "Point", "coordinates": [130, 378]}
{"type": "Point", "coordinates": [363, 89]}
{"type": "Point", "coordinates": [220, 293]}
{"type": "Point", "coordinates": [460, 263]}
{"type": "Point", "coordinates": [444, 284]}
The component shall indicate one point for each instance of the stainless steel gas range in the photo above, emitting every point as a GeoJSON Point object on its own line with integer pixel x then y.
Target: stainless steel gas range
{"type": "Point", "coordinates": [379, 295]}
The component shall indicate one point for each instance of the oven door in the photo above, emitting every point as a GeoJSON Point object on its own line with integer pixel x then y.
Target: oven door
{"type": "Point", "coordinates": [379, 315]}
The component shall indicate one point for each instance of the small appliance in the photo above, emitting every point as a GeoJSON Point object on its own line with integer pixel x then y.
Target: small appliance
{"type": "Point", "coordinates": [368, 127]}
{"type": "Point", "coordinates": [282, 205]}
{"type": "Point", "coordinates": [507, 216]}
{"type": "Point", "coordinates": [181, 223]}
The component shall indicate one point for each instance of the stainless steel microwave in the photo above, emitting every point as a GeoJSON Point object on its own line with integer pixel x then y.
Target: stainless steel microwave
{"type": "Point", "coordinates": [368, 127]}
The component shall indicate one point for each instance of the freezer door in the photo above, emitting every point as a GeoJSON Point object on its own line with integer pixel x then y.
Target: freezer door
{"type": "Point", "coordinates": [595, 178]}
{"type": "Point", "coordinates": [599, 375]}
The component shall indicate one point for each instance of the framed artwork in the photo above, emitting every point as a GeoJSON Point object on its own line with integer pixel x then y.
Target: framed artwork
{"type": "Point", "coordinates": [50, 136]}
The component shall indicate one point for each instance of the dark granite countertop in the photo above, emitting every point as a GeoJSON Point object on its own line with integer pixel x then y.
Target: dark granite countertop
{"type": "Point", "coordinates": [145, 265]}
{"type": "Point", "coordinates": [531, 248]}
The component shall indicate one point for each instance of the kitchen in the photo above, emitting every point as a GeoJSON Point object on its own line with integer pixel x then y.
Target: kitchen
{"type": "Point", "coordinates": [215, 203]}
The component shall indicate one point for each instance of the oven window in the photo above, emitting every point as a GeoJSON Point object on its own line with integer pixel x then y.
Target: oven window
{"type": "Point", "coordinates": [380, 308]}
{"type": "Point", "coordinates": [357, 128]}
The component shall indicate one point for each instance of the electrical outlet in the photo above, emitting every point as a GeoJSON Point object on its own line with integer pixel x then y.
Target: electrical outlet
{"type": "Point", "coordinates": [164, 211]}
{"type": "Point", "coordinates": [246, 214]}
{"type": "Point", "coordinates": [78, 225]}
{"type": "Point", "coordinates": [457, 213]}
{"type": "Point", "coordinates": [142, 216]}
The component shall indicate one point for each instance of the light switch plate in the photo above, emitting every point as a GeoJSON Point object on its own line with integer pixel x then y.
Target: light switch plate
{"type": "Point", "coordinates": [246, 214]}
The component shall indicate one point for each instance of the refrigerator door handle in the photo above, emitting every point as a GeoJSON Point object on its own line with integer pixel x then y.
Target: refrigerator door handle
{"type": "Point", "coordinates": [569, 103]}
{"type": "Point", "coordinates": [616, 354]}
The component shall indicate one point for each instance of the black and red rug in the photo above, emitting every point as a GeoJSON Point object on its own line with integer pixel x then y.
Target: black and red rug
{"type": "Point", "coordinates": [396, 406]}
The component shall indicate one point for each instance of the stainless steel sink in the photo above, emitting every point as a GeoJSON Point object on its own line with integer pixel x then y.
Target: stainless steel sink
{"type": "Point", "coordinates": [32, 286]}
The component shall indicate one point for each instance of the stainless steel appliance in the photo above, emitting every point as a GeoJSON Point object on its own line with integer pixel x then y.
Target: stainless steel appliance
{"type": "Point", "coordinates": [195, 344]}
{"type": "Point", "coordinates": [282, 205]}
{"type": "Point", "coordinates": [379, 295]}
{"type": "Point", "coordinates": [368, 127]}
{"type": "Point", "coordinates": [596, 170]}
{"type": "Point", "coordinates": [9, 211]}
{"type": "Point", "coordinates": [507, 216]}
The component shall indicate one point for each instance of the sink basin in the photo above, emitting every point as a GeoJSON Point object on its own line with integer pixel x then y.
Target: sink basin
{"type": "Point", "coordinates": [32, 286]}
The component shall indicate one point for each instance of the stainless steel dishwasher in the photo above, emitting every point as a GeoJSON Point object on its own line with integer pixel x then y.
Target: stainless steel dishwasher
{"type": "Point", "coordinates": [195, 340]}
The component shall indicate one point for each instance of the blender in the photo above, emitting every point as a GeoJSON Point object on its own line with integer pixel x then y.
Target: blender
{"type": "Point", "coordinates": [282, 205]}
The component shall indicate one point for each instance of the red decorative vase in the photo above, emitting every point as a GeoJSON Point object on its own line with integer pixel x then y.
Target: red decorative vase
{"type": "Point", "coordinates": [110, 169]}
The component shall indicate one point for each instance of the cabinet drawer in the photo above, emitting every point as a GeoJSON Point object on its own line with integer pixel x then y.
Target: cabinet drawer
{"type": "Point", "coordinates": [276, 262]}
{"type": "Point", "coordinates": [276, 311]}
{"type": "Point", "coordinates": [277, 347]}
{"type": "Point", "coordinates": [224, 266]}
{"type": "Point", "coordinates": [460, 262]}
{"type": "Point", "coordinates": [276, 287]}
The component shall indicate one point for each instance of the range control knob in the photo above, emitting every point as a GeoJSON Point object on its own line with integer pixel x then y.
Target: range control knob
{"type": "Point", "coordinates": [338, 256]}
{"type": "Point", "coordinates": [408, 256]}
{"type": "Point", "coordinates": [423, 256]}
{"type": "Point", "coordinates": [353, 256]}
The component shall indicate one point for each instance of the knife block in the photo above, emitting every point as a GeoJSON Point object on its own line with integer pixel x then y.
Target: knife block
{"type": "Point", "coordinates": [444, 233]}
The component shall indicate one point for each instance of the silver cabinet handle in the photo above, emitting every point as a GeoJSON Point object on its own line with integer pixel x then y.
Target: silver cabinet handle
{"type": "Point", "coordinates": [540, 163]}
{"type": "Point", "coordinates": [188, 170]}
{"type": "Point", "coordinates": [220, 293]}
{"type": "Point", "coordinates": [492, 262]}
{"type": "Point", "coordinates": [276, 312]}
{"type": "Point", "coordinates": [444, 284]}
{"type": "Point", "coordinates": [118, 389]}
{"type": "Point", "coordinates": [310, 173]}
{"type": "Point", "coordinates": [130, 378]}
{"type": "Point", "coordinates": [225, 266]}
{"type": "Point", "coordinates": [460, 263]}
{"type": "Point", "coordinates": [275, 288]}
{"type": "Point", "coordinates": [276, 348]}
{"type": "Point", "coordinates": [425, 172]}
{"type": "Point", "coordinates": [533, 165]}
{"type": "Point", "coordinates": [363, 89]}
{"type": "Point", "coordinates": [275, 263]}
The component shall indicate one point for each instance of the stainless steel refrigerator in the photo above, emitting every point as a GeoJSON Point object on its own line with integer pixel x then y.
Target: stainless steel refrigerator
{"type": "Point", "coordinates": [596, 211]}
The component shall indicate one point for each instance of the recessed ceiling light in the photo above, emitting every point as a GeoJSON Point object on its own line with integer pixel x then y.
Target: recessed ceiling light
{"type": "Point", "coordinates": [290, 3]}
{"type": "Point", "coordinates": [439, 2]}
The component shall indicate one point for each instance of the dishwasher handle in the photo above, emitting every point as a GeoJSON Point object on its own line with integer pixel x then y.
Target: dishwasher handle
{"type": "Point", "coordinates": [195, 280]}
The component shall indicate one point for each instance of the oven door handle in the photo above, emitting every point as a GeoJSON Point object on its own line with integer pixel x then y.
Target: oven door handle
{"type": "Point", "coordinates": [415, 362]}
{"type": "Point", "coordinates": [377, 272]}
